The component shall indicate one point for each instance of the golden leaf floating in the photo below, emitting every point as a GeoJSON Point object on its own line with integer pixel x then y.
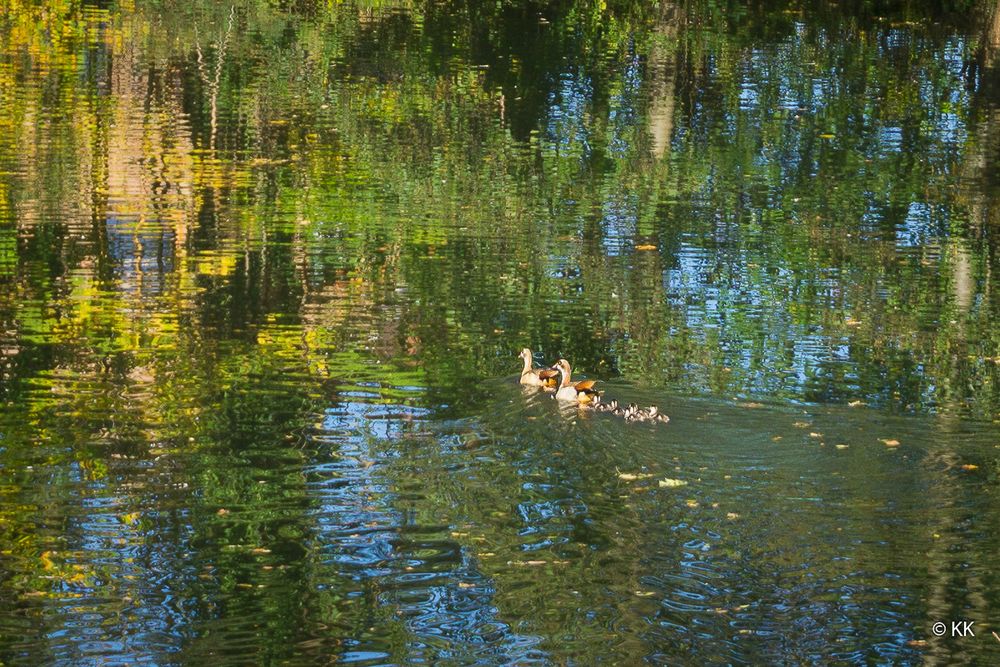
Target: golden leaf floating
{"type": "Point", "coordinates": [631, 477]}
{"type": "Point", "coordinates": [668, 483]}
{"type": "Point", "coordinates": [889, 442]}
{"type": "Point", "coordinates": [842, 446]}
{"type": "Point", "coordinates": [969, 466]}
{"type": "Point", "coordinates": [645, 246]}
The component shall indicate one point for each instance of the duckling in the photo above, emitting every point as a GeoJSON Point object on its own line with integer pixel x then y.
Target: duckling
{"type": "Point", "coordinates": [610, 406]}
{"type": "Point", "coordinates": [536, 377]}
{"type": "Point", "coordinates": [653, 414]}
{"type": "Point", "coordinates": [582, 392]}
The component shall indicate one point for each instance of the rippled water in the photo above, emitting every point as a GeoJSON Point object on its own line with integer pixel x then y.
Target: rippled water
{"type": "Point", "coordinates": [264, 270]}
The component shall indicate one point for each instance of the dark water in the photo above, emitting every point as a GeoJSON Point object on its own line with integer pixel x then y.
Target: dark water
{"type": "Point", "coordinates": [265, 267]}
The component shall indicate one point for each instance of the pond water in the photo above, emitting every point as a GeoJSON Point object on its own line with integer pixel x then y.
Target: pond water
{"type": "Point", "coordinates": [265, 269]}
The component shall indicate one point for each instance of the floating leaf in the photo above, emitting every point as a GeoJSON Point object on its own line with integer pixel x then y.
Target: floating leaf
{"type": "Point", "coordinates": [814, 434]}
{"type": "Point", "coordinates": [732, 516]}
{"type": "Point", "coordinates": [668, 483]}
{"type": "Point", "coordinates": [644, 594]}
{"type": "Point", "coordinates": [969, 466]}
{"type": "Point", "coordinates": [631, 477]}
{"type": "Point", "coordinates": [842, 446]}
{"type": "Point", "coordinates": [645, 246]}
{"type": "Point", "coordinates": [889, 442]}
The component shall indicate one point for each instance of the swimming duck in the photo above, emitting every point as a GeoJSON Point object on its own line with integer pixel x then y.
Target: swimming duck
{"type": "Point", "coordinates": [536, 377]}
{"type": "Point", "coordinates": [581, 392]}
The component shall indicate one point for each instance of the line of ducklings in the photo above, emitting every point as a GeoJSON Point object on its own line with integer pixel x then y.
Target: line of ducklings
{"type": "Point", "coordinates": [558, 378]}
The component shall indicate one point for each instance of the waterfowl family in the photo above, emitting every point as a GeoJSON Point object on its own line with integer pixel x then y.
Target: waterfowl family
{"type": "Point", "coordinates": [581, 392]}
{"type": "Point", "coordinates": [536, 377]}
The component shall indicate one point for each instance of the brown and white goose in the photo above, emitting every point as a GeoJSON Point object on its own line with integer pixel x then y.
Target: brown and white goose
{"type": "Point", "coordinates": [537, 377]}
{"type": "Point", "coordinates": [581, 392]}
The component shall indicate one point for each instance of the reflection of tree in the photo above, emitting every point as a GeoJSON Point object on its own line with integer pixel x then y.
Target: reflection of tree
{"type": "Point", "coordinates": [211, 83]}
{"type": "Point", "coordinates": [661, 70]}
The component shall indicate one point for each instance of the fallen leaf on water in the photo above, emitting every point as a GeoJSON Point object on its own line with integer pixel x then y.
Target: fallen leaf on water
{"type": "Point", "coordinates": [732, 516]}
{"type": "Point", "coordinates": [751, 405]}
{"type": "Point", "coordinates": [969, 466]}
{"type": "Point", "coordinates": [776, 438]}
{"type": "Point", "coordinates": [463, 584]}
{"type": "Point", "coordinates": [917, 642]}
{"type": "Point", "coordinates": [814, 434]}
{"type": "Point", "coordinates": [691, 502]}
{"type": "Point", "coordinates": [260, 550]}
{"type": "Point", "coordinates": [668, 483]}
{"type": "Point", "coordinates": [801, 424]}
{"type": "Point", "coordinates": [644, 594]}
{"type": "Point", "coordinates": [856, 404]}
{"type": "Point", "coordinates": [645, 246]}
{"type": "Point", "coordinates": [827, 135]}
{"type": "Point", "coordinates": [842, 446]}
{"type": "Point", "coordinates": [889, 442]}
{"type": "Point", "coordinates": [631, 476]}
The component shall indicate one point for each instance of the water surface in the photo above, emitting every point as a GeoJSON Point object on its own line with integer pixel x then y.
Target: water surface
{"type": "Point", "coordinates": [265, 268]}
